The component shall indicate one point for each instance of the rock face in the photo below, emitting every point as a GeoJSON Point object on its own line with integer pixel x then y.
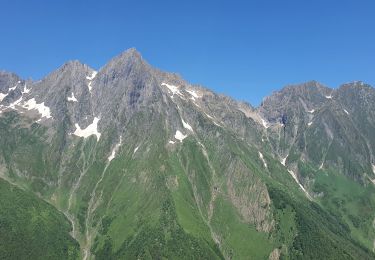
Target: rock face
{"type": "Point", "coordinates": [146, 165]}
{"type": "Point", "coordinates": [328, 128]}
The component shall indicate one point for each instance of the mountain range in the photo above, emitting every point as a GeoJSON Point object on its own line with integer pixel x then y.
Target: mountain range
{"type": "Point", "coordinates": [130, 162]}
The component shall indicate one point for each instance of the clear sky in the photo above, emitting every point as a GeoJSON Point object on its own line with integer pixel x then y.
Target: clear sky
{"type": "Point", "coordinates": [245, 49]}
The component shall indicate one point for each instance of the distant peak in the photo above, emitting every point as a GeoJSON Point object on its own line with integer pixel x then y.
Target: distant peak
{"type": "Point", "coordinates": [131, 53]}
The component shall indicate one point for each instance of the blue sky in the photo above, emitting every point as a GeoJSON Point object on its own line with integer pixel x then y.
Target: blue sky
{"type": "Point", "coordinates": [245, 49]}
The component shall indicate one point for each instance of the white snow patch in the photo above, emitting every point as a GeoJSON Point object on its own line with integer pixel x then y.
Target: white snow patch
{"type": "Point", "coordinates": [193, 94]}
{"type": "Point", "coordinates": [311, 111]}
{"type": "Point", "coordinates": [135, 150]}
{"type": "Point", "coordinates": [114, 151]}
{"type": "Point", "coordinates": [329, 97]}
{"type": "Point", "coordinates": [89, 85]}
{"type": "Point", "coordinates": [89, 130]}
{"type": "Point", "coordinates": [346, 111]}
{"type": "Point", "coordinates": [2, 96]}
{"type": "Point", "coordinates": [186, 125]}
{"type": "Point", "coordinates": [42, 109]}
{"type": "Point", "coordinates": [321, 165]}
{"type": "Point", "coordinates": [179, 136]}
{"type": "Point", "coordinates": [25, 90]}
{"type": "Point", "coordinates": [262, 158]}
{"type": "Point", "coordinates": [309, 123]}
{"type": "Point", "coordinates": [210, 117]}
{"type": "Point", "coordinates": [264, 123]}
{"type": "Point", "coordinates": [173, 89]}
{"type": "Point", "coordinates": [283, 161]}
{"type": "Point", "coordinates": [373, 168]}
{"type": "Point", "coordinates": [72, 98]}
{"type": "Point", "coordinates": [216, 124]}
{"type": "Point", "coordinates": [10, 89]}
{"type": "Point", "coordinates": [93, 74]}
{"type": "Point", "coordinates": [171, 142]}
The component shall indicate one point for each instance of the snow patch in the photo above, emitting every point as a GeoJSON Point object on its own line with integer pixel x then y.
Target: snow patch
{"type": "Point", "coordinates": [89, 130]}
{"type": "Point", "coordinates": [114, 151]}
{"type": "Point", "coordinates": [193, 94]}
{"type": "Point", "coordinates": [135, 150]}
{"type": "Point", "coordinates": [179, 136]}
{"type": "Point", "coordinates": [186, 125]}
{"type": "Point", "coordinates": [283, 161]}
{"type": "Point", "coordinates": [93, 75]}
{"type": "Point", "coordinates": [42, 109]}
{"type": "Point", "coordinates": [25, 90]}
{"type": "Point", "coordinates": [321, 165]}
{"type": "Point", "coordinates": [309, 123]}
{"type": "Point", "coordinates": [329, 97]}
{"type": "Point", "coordinates": [262, 158]}
{"type": "Point", "coordinates": [210, 117]}
{"type": "Point", "coordinates": [89, 85]}
{"type": "Point", "coordinates": [311, 111]}
{"type": "Point", "coordinates": [171, 142]}
{"type": "Point", "coordinates": [2, 96]}
{"type": "Point", "coordinates": [216, 124]}
{"type": "Point", "coordinates": [373, 168]}
{"type": "Point", "coordinates": [13, 88]}
{"type": "Point", "coordinates": [264, 123]}
{"type": "Point", "coordinates": [346, 111]}
{"type": "Point", "coordinates": [72, 98]}
{"type": "Point", "coordinates": [173, 89]}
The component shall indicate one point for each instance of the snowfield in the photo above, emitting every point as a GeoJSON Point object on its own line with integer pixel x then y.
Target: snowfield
{"type": "Point", "coordinates": [89, 130]}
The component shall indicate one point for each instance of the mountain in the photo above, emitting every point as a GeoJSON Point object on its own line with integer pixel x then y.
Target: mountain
{"type": "Point", "coordinates": [144, 165]}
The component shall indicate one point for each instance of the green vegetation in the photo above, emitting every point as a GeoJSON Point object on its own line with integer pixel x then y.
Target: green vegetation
{"type": "Point", "coordinates": [349, 202]}
{"type": "Point", "coordinates": [319, 235]}
{"type": "Point", "coordinates": [31, 228]}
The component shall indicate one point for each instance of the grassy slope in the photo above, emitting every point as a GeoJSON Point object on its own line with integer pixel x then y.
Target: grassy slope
{"type": "Point", "coordinates": [31, 228]}
{"type": "Point", "coordinates": [348, 201]}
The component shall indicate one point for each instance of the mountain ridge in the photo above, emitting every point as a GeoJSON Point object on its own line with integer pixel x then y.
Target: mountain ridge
{"type": "Point", "coordinates": [133, 155]}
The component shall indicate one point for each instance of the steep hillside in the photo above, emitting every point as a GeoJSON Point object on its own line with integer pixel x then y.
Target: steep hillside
{"type": "Point", "coordinates": [31, 228]}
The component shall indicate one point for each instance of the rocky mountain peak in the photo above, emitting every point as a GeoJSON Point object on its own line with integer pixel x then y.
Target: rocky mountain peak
{"type": "Point", "coordinates": [125, 63]}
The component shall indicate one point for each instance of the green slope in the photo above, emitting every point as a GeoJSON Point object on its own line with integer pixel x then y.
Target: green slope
{"type": "Point", "coordinates": [31, 228]}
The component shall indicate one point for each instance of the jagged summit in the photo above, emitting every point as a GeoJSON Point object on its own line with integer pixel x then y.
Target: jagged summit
{"type": "Point", "coordinates": [74, 65]}
{"type": "Point", "coordinates": [126, 58]}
